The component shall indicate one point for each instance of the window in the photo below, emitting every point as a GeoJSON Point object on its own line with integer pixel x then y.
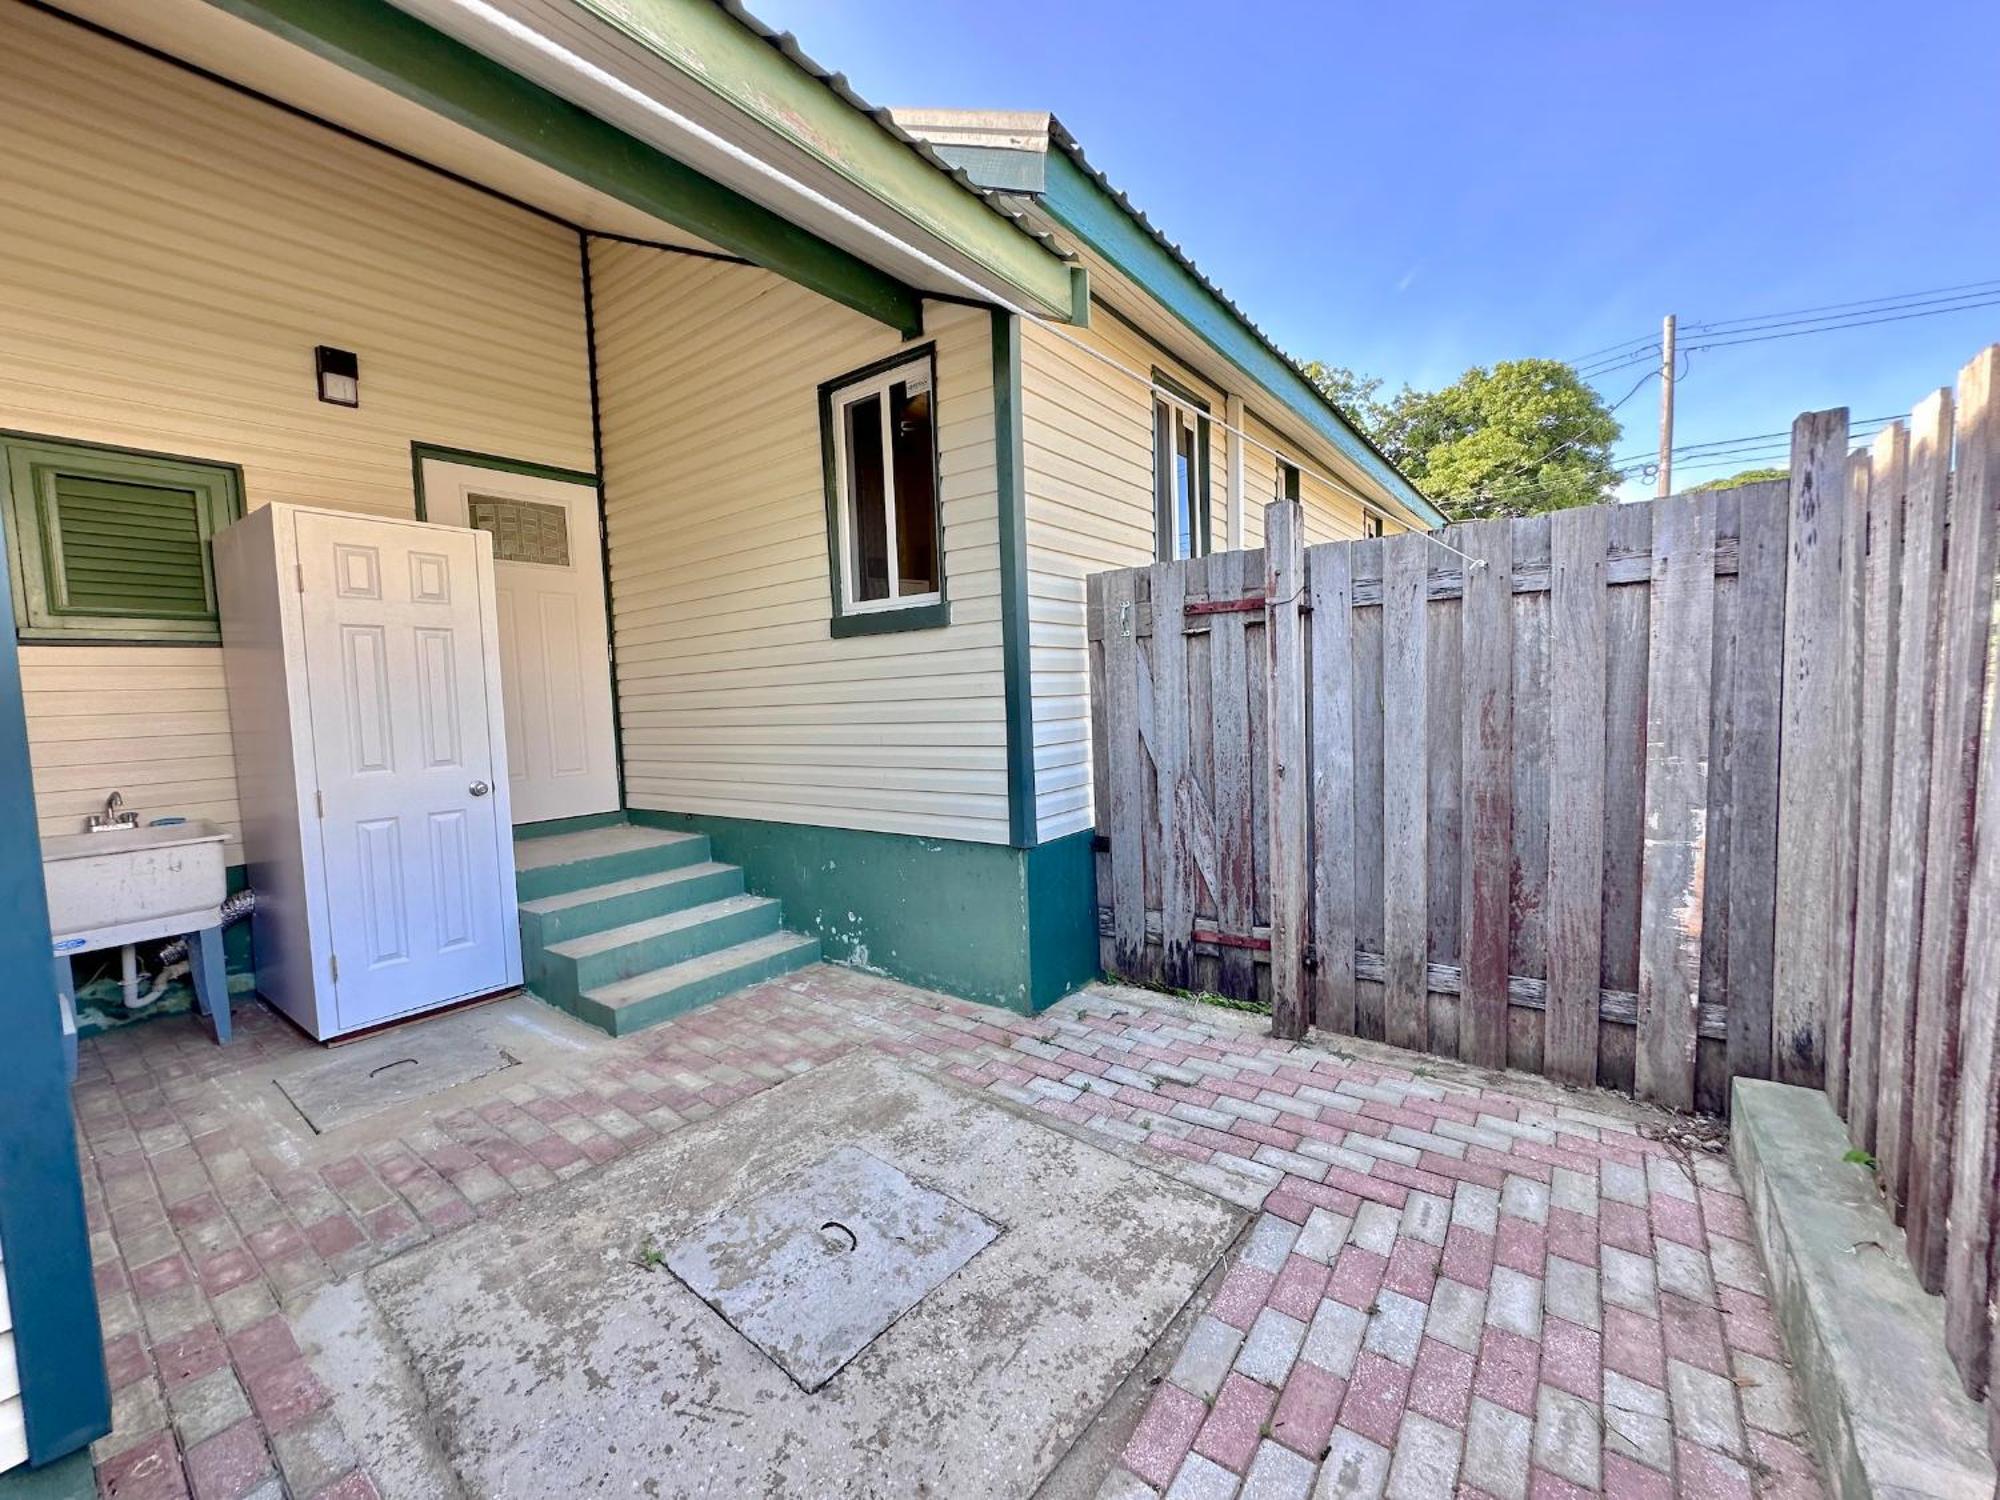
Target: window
{"type": "Point", "coordinates": [1288, 480]}
{"type": "Point", "coordinates": [1180, 473]}
{"type": "Point", "coordinates": [1371, 524]}
{"type": "Point", "coordinates": [884, 536]}
{"type": "Point", "coordinates": [113, 545]}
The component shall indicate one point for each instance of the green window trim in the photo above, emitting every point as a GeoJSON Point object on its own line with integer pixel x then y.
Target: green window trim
{"type": "Point", "coordinates": [1164, 530]}
{"type": "Point", "coordinates": [932, 613]}
{"type": "Point", "coordinates": [112, 544]}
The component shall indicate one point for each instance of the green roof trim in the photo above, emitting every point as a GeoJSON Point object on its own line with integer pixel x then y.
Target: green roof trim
{"type": "Point", "coordinates": [374, 40]}
{"type": "Point", "coordinates": [765, 75]}
{"type": "Point", "coordinates": [1078, 198]}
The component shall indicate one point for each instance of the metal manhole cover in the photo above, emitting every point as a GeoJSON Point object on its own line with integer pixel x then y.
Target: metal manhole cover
{"type": "Point", "coordinates": [812, 1271]}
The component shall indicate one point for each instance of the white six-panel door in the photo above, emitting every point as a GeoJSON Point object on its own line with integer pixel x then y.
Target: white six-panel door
{"type": "Point", "coordinates": [401, 726]}
{"type": "Point", "coordinates": [549, 574]}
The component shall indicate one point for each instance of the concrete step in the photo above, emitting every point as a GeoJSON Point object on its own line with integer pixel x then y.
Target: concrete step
{"type": "Point", "coordinates": [602, 958]}
{"type": "Point", "coordinates": [660, 994]}
{"type": "Point", "coordinates": [573, 861]}
{"type": "Point", "coordinates": [593, 908]}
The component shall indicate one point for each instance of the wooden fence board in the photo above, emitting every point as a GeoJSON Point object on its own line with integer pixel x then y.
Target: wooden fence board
{"type": "Point", "coordinates": [1287, 762]}
{"type": "Point", "coordinates": [1965, 631]}
{"type": "Point", "coordinates": [1100, 754]}
{"type": "Point", "coordinates": [1888, 460]}
{"type": "Point", "coordinates": [1527, 943]}
{"type": "Point", "coordinates": [1235, 854]}
{"type": "Point", "coordinates": [1368, 916]}
{"type": "Point", "coordinates": [1711, 1088]}
{"type": "Point", "coordinates": [1909, 792]}
{"type": "Point", "coordinates": [1970, 1240]}
{"type": "Point", "coordinates": [1680, 662]}
{"type": "Point", "coordinates": [1405, 837]}
{"type": "Point", "coordinates": [1627, 629]}
{"type": "Point", "coordinates": [1486, 654]}
{"type": "Point", "coordinates": [1167, 743]}
{"type": "Point", "coordinates": [1329, 586]}
{"type": "Point", "coordinates": [1444, 796]}
{"type": "Point", "coordinates": [1761, 523]}
{"type": "Point", "coordinates": [1809, 739]}
{"type": "Point", "coordinates": [1577, 605]}
{"type": "Point", "coordinates": [1847, 728]}
{"type": "Point", "coordinates": [1126, 831]}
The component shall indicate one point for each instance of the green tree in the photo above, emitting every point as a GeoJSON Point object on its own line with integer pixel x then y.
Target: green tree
{"type": "Point", "coordinates": [1524, 436]}
{"type": "Point", "coordinates": [1737, 481]}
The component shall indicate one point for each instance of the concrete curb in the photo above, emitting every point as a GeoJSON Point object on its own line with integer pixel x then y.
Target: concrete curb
{"type": "Point", "coordinates": [1886, 1411]}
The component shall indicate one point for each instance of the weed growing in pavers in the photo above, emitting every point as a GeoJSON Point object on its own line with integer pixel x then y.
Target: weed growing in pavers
{"type": "Point", "coordinates": [1858, 1157]}
{"type": "Point", "coordinates": [649, 1257]}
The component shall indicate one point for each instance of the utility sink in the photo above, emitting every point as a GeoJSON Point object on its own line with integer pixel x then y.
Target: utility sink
{"type": "Point", "coordinates": [128, 885]}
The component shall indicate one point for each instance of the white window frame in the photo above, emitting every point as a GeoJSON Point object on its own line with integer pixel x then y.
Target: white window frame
{"type": "Point", "coordinates": [915, 373]}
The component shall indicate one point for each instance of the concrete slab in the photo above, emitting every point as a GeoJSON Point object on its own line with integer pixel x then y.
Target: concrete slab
{"type": "Point", "coordinates": [395, 1068]}
{"type": "Point", "coordinates": [551, 1351]}
{"type": "Point", "coordinates": [1884, 1406]}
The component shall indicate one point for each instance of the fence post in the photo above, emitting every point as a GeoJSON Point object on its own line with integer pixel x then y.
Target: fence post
{"type": "Point", "coordinates": [1812, 776]}
{"type": "Point", "coordinates": [1285, 698]}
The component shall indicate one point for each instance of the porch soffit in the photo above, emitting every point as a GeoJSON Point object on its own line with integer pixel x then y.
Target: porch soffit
{"type": "Point", "coordinates": [368, 67]}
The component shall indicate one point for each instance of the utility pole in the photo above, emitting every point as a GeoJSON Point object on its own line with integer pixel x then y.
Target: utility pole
{"type": "Point", "coordinates": [1666, 408]}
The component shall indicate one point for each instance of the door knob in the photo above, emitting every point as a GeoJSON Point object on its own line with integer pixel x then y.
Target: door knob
{"type": "Point", "coordinates": [479, 789]}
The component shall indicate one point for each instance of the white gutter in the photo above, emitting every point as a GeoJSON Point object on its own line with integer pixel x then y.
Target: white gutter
{"type": "Point", "coordinates": [592, 78]}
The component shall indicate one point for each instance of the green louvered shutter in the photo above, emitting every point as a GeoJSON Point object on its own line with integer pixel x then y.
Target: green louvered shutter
{"type": "Point", "coordinates": [113, 545]}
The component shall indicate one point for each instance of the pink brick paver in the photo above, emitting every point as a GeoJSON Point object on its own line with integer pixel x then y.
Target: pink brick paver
{"type": "Point", "coordinates": [1427, 1210]}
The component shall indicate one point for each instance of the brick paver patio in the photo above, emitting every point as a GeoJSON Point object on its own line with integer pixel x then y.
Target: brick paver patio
{"type": "Point", "coordinates": [1457, 1284]}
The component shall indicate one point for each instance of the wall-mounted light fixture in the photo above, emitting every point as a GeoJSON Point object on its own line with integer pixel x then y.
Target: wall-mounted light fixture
{"type": "Point", "coordinates": [339, 374]}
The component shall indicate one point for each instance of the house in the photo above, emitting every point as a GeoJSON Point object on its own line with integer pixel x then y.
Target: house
{"type": "Point", "coordinates": [799, 423]}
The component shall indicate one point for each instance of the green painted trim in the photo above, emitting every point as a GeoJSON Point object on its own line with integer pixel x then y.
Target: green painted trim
{"type": "Point", "coordinates": [581, 823]}
{"type": "Point", "coordinates": [421, 451]}
{"type": "Point", "coordinates": [1079, 296]}
{"type": "Point", "coordinates": [1081, 205]}
{"type": "Point", "coordinates": [71, 1478]}
{"type": "Point", "coordinates": [934, 616]}
{"type": "Point", "coordinates": [374, 40]}
{"type": "Point", "coordinates": [58, 1341]}
{"type": "Point", "coordinates": [945, 914]}
{"type": "Point", "coordinates": [1062, 917]}
{"type": "Point", "coordinates": [891, 621]}
{"type": "Point", "coordinates": [1010, 467]}
{"type": "Point", "coordinates": [39, 620]}
{"type": "Point", "coordinates": [790, 99]}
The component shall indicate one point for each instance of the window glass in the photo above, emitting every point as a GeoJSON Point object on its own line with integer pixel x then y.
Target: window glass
{"type": "Point", "coordinates": [1180, 480]}
{"type": "Point", "coordinates": [916, 490]}
{"type": "Point", "coordinates": [867, 500]}
{"type": "Point", "coordinates": [1288, 480]}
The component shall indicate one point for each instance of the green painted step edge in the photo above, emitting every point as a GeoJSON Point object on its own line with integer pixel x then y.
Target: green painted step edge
{"type": "Point", "coordinates": [570, 978]}
{"type": "Point", "coordinates": [601, 869]}
{"type": "Point", "coordinates": [582, 822]}
{"type": "Point", "coordinates": [545, 929]}
{"type": "Point", "coordinates": [622, 1020]}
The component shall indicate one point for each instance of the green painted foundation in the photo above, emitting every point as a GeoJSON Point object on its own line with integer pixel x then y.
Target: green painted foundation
{"type": "Point", "coordinates": [987, 922]}
{"type": "Point", "coordinates": [69, 1478]}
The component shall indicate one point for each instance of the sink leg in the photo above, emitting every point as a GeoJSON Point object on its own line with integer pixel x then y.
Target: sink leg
{"type": "Point", "coordinates": [211, 980]}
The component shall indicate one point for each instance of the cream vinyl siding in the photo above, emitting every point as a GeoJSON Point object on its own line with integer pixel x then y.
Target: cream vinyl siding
{"type": "Point", "coordinates": [734, 699]}
{"type": "Point", "coordinates": [1087, 440]}
{"type": "Point", "coordinates": [13, 1420]}
{"type": "Point", "coordinates": [174, 250]}
{"type": "Point", "coordinates": [1088, 443]}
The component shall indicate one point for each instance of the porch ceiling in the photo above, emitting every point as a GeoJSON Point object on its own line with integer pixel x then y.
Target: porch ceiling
{"type": "Point", "coordinates": [196, 32]}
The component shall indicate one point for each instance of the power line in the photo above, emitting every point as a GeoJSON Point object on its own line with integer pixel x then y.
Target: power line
{"type": "Point", "coordinates": [1763, 338]}
{"type": "Point", "coordinates": [1899, 298]}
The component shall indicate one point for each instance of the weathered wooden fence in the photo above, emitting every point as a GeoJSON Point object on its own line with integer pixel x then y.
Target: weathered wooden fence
{"type": "Point", "coordinates": [1650, 796]}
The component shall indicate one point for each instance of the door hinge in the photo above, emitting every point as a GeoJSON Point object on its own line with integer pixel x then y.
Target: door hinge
{"type": "Point", "coordinates": [319, 801]}
{"type": "Point", "coordinates": [333, 966]}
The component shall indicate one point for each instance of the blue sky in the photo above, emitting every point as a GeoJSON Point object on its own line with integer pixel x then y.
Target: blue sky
{"type": "Point", "coordinates": [1413, 188]}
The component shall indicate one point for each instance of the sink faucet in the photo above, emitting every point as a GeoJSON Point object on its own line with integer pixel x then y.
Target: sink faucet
{"type": "Point", "coordinates": [113, 817]}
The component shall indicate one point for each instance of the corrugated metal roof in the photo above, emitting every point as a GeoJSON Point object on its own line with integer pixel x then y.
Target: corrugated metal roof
{"type": "Point", "coordinates": [788, 47]}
